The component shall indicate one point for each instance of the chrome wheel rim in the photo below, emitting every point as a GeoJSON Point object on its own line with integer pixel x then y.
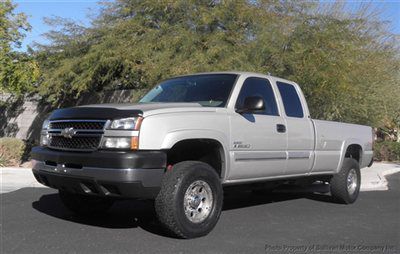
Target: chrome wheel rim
{"type": "Point", "coordinates": [198, 201]}
{"type": "Point", "coordinates": [352, 181]}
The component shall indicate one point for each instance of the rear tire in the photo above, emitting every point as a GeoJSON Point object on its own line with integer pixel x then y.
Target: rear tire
{"type": "Point", "coordinates": [85, 205]}
{"type": "Point", "coordinates": [345, 186]}
{"type": "Point", "coordinates": [190, 200]}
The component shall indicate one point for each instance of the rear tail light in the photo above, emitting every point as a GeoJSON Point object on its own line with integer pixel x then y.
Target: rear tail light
{"type": "Point", "coordinates": [373, 138]}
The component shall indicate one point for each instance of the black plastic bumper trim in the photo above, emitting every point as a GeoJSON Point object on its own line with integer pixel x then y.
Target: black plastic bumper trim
{"type": "Point", "coordinates": [103, 158]}
{"type": "Point", "coordinates": [93, 186]}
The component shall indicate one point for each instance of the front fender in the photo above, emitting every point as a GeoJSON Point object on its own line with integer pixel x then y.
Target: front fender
{"type": "Point", "coordinates": [176, 136]}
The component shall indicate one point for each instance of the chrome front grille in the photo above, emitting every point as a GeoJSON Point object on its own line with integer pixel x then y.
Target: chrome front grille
{"type": "Point", "coordinates": [76, 135]}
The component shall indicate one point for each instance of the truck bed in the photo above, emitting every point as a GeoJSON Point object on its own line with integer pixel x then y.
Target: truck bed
{"type": "Point", "coordinates": [331, 139]}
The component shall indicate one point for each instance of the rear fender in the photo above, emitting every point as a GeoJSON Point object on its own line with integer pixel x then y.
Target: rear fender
{"type": "Point", "coordinates": [345, 145]}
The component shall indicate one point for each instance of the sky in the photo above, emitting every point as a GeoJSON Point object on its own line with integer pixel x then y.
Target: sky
{"type": "Point", "coordinates": [81, 10]}
{"type": "Point", "coordinates": [36, 10]}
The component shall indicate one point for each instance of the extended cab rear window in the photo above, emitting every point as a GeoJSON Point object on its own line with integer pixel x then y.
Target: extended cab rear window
{"type": "Point", "coordinates": [291, 100]}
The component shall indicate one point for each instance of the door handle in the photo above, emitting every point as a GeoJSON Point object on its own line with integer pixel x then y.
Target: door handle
{"type": "Point", "coordinates": [281, 128]}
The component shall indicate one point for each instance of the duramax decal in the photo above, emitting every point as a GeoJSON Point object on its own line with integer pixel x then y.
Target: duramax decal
{"type": "Point", "coordinates": [239, 144]}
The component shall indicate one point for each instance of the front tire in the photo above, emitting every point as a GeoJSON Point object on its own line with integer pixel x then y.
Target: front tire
{"type": "Point", "coordinates": [345, 186]}
{"type": "Point", "coordinates": [85, 205]}
{"type": "Point", "coordinates": [190, 200]}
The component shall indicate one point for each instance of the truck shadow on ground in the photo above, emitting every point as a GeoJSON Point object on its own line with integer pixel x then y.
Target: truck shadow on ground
{"type": "Point", "coordinates": [135, 213]}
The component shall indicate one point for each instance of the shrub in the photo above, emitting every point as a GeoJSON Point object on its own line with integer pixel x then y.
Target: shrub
{"type": "Point", "coordinates": [11, 151]}
{"type": "Point", "coordinates": [387, 151]}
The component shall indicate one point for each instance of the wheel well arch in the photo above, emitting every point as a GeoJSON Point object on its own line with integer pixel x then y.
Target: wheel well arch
{"type": "Point", "coordinates": [354, 151]}
{"type": "Point", "coordinates": [207, 150]}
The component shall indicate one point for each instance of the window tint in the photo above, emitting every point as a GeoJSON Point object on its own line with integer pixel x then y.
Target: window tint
{"type": "Point", "coordinates": [291, 100]}
{"type": "Point", "coordinates": [259, 87]}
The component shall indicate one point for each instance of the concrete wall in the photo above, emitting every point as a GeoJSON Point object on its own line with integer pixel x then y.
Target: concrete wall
{"type": "Point", "coordinates": [23, 121]}
{"type": "Point", "coordinates": [23, 118]}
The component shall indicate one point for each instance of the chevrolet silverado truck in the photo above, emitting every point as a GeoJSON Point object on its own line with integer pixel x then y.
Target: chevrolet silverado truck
{"type": "Point", "coordinates": [190, 137]}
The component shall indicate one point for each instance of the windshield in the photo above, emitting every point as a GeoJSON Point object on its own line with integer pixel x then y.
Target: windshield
{"type": "Point", "coordinates": [209, 90]}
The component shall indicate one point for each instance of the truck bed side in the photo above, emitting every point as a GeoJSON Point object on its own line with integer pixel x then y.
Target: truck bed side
{"type": "Point", "coordinates": [332, 139]}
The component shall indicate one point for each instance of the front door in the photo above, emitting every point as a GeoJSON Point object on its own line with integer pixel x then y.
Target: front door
{"type": "Point", "coordinates": [258, 140]}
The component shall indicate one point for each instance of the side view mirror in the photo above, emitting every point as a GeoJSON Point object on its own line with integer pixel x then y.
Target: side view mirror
{"type": "Point", "coordinates": [251, 104]}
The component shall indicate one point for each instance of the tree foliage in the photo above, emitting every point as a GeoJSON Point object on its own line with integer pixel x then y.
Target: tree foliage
{"type": "Point", "coordinates": [18, 71]}
{"type": "Point", "coordinates": [347, 64]}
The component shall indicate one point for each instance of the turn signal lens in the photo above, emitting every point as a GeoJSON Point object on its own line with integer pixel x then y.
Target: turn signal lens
{"type": "Point", "coordinates": [135, 143]}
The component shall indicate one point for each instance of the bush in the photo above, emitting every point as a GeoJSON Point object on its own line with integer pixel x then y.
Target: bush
{"type": "Point", "coordinates": [387, 151]}
{"type": "Point", "coordinates": [11, 151]}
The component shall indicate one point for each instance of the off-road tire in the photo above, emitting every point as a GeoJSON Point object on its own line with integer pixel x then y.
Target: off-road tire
{"type": "Point", "coordinates": [169, 203]}
{"type": "Point", "coordinates": [85, 205]}
{"type": "Point", "coordinates": [338, 183]}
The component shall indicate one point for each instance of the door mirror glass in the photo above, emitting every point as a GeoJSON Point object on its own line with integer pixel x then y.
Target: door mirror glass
{"type": "Point", "coordinates": [252, 104]}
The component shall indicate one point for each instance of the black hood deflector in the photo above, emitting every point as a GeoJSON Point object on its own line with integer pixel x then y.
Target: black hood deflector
{"type": "Point", "coordinates": [93, 113]}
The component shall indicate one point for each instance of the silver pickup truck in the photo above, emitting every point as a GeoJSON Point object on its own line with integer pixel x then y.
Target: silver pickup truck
{"type": "Point", "coordinates": [189, 138]}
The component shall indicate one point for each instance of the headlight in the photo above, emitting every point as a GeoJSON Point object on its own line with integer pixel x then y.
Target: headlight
{"type": "Point", "coordinates": [44, 139]}
{"type": "Point", "coordinates": [132, 123]}
{"type": "Point", "coordinates": [120, 143]}
{"type": "Point", "coordinates": [46, 124]}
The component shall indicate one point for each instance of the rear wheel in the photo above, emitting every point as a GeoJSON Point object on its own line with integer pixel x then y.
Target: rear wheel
{"type": "Point", "coordinates": [345, 186]}
{"type": "Point", "coordinates": [190, 200]}
{"type": "Point", "coordinates": [85, 205]}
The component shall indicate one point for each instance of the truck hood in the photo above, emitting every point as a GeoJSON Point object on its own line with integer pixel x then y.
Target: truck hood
{"type": "Point", "coordinates": [113, 111]}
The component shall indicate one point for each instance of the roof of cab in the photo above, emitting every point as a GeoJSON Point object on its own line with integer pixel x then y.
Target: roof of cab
{"type": "Point", "coordinates": [245, 73]}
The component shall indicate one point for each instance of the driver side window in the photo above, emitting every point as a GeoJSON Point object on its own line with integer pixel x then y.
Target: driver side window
{"type": "Point", "coordinates": [262, 88]}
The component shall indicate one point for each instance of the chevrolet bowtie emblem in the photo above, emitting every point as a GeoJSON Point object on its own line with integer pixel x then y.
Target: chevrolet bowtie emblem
{"type": "Point", "coordinates": [68, 132]}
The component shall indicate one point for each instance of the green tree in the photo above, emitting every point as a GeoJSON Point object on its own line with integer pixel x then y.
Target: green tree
{"type": "Point", "coordinates": [346, 63]}
{"type": "Point", "coordinates": [18, 71]}
{"type": "Point", "coordinates": [347, 66]}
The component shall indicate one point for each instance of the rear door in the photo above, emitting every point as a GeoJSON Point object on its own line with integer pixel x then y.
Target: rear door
{"type": "Point", "coordinates": [300, 130]}
{"type": "Point", "coordinates": [258, 146]}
